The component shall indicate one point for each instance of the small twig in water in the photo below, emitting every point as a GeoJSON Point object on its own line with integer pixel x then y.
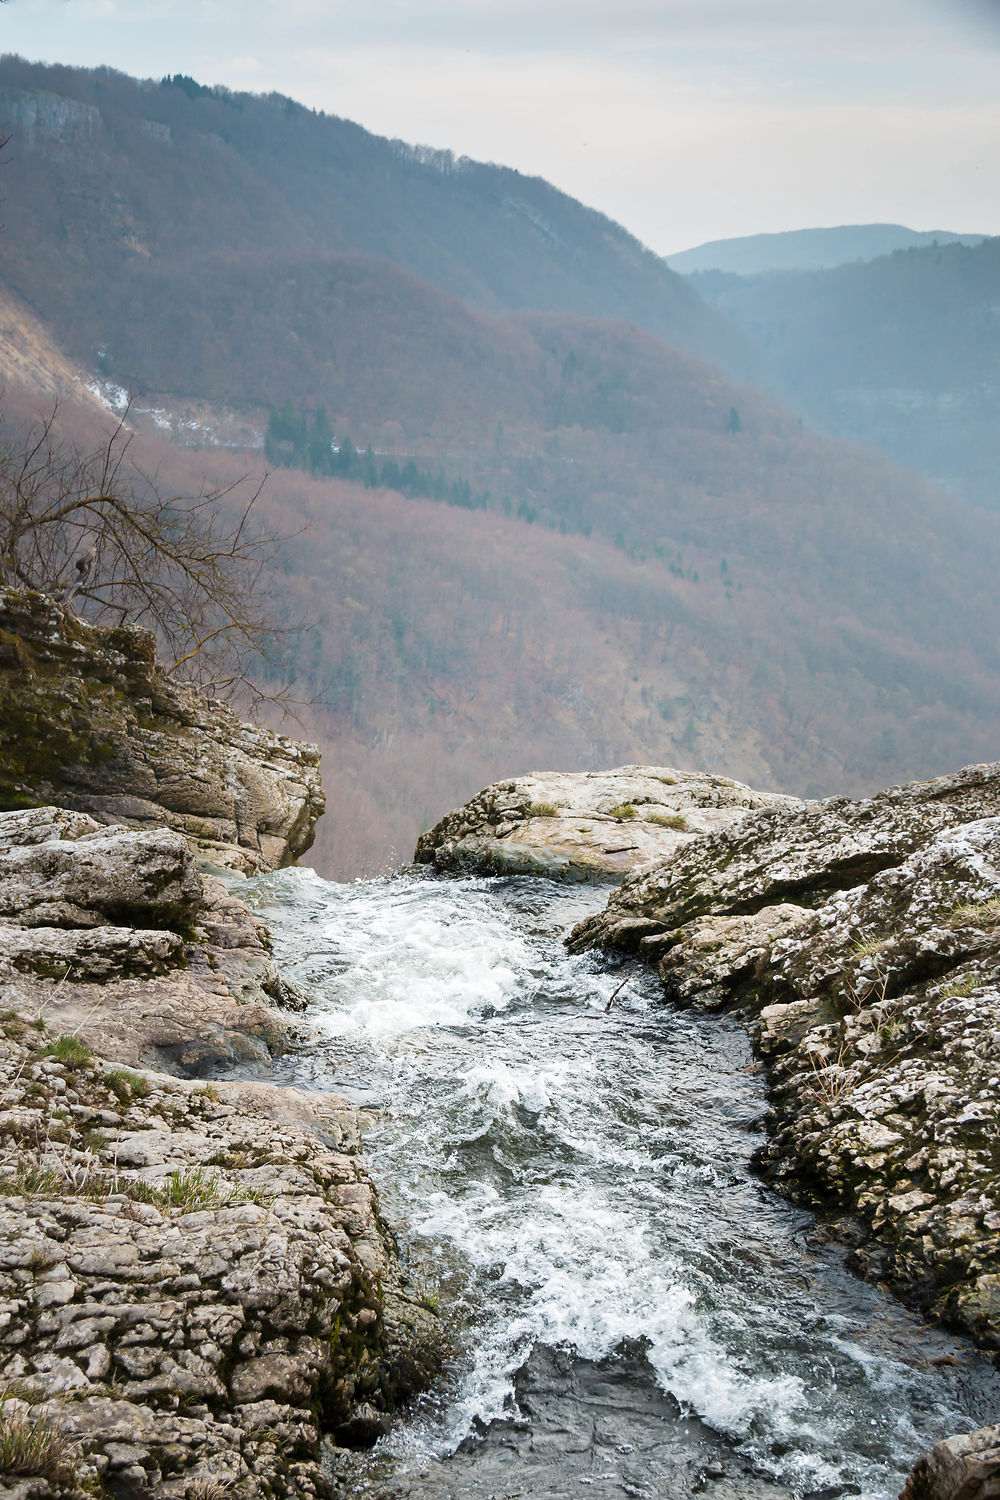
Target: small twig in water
{"type": "Point", "coordinates": [616, 993]}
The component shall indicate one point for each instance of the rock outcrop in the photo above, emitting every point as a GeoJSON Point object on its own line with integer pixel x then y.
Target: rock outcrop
{"type": "Point", "coordinates": [89, 720]}
{"type": "Point", "coordinates": [586, 826]}
{"type": "Point", "coordinates": [116, 936]}
{"type": "Point", "coordinates": [862, 941]}
{"type": "Point", "coordinates": [197, 1291]}
{"type": "Point", "coordinates": [194, 1282]}
{"type": "Point", "coordinates": [960, 1468]}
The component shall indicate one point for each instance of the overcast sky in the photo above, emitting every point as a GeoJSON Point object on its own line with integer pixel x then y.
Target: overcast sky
{"type": "Point", "coordinates": [686, 120]}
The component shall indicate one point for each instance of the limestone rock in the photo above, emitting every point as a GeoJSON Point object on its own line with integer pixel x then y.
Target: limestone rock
{"type": "Point", "coordinates": [116, 934]}
{"type": "Point", "coordinates": [801, 853]}
{"type": "Point", "coordinates": [960, 1468]}
{"type": "Point", "coordinates": [194, 1281]}
{"type": "Point", "coordinates": [706, 959]}
{"type": "Point", "coordinates": [90, 720]}
{"type": "Point", "coordinates": [141, 878]}
{"type": "Point", "coordinates": [862, 942]}
{"type": "Point", "coordinates": [586, 826]}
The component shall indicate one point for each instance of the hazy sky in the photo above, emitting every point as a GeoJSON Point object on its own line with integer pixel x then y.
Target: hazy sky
{"type": "Point", "coordinates": [686, 120]}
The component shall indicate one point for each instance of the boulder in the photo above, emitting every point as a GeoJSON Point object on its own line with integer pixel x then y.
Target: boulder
{"type": "Point", "coordinates": [586, 826]}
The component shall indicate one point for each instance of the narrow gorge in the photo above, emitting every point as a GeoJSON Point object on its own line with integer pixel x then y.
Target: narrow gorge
{"type": "Point", "coordinates": [594, 1242]}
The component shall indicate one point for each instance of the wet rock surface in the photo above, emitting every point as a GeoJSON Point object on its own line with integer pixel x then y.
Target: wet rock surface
{"type": "Point", "coordinates": [91, 721]}
{"type": "Point", "coordinates": [586, 826]}
{"type": "Point", "coordinates": [961, 1468]}
{"type": "Point", "coordinates": [862, 942]}
{"type": "Point", "coordinates": [603, 1428]}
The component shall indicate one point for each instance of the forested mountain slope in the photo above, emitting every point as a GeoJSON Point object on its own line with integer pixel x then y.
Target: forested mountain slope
{"type": "Point", "coordinates": [837, 635]}
{"type": "Point", "coordinates": [841, 646]}
{"type": "Point", "coordinates": [664, 566]}
{"type": "Point", "coordinates": [112, 176]}
{"type": "Point", "coordinates": [902, 352]}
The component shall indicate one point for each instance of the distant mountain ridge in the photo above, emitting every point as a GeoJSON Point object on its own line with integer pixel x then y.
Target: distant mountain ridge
{"type": "Point", "coordinates": [809, 249]}
{"type": "Point", "coordinates": [902, 352]}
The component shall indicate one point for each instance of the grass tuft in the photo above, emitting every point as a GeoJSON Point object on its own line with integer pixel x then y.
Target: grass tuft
{"type": "Point", "coordinates": [542, 810]}
{"type": "Point", "coordinates": [195, 1188]}
{"type": "Point", "coordinates": [624, 812]}
{"type": "Point", "coordinates": [868, 947]}
{"type": "Point", "coordinates": [208, 1489]}
{"type": "Point", "coordinates": [669, 820]}
{"type": "Point", "coordinates": [126, 1086]}
{"type": "Point", "coordinates": [957, 989]}
{"type": "Point", "coordinates": [68, 1050]}
{"type": "Point", "coordinates": [985, 914]}
{"type": "Point", "coordinates": [33, 1448]}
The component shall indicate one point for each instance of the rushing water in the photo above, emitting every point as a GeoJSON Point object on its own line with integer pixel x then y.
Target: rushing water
{"type": "Point", "coordinates": [638, 1314]}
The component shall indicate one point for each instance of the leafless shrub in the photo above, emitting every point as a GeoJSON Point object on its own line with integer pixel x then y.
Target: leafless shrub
{"type": "Point", "coordinates": [95, 531]}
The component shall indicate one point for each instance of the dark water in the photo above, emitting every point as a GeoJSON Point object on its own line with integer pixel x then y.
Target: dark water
{"type": "Point", "coordinates": [637, 1313]}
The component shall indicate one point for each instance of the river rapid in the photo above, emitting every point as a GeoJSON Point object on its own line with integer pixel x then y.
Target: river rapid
{"type": "Point", "coordinates": [635, 1313]}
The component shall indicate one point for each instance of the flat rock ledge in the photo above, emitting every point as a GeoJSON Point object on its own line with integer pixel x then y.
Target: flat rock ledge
{"type": "Point", "coordinates": [90, 720]}
{"type": "Point", "coordinates": [861, 940]}
{"type": "Point", "coordinates": [196, 1288]}
{"type": "Point", "coordinates": [588, 826]}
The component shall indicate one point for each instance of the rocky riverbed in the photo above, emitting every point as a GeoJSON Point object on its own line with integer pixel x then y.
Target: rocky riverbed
{"type": "Point", "coordinates": [198, 1294]}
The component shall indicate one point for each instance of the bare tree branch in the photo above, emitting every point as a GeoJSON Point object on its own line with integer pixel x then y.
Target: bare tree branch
{"type": "Point", "coordinates": [93, 530]}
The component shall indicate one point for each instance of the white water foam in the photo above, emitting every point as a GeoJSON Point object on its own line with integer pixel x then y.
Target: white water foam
{"type": "Point", "coordinates": [587, 1174]}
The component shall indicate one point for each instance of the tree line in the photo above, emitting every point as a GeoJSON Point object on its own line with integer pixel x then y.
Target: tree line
{"type": "Point", "coordinates": [299, 439]}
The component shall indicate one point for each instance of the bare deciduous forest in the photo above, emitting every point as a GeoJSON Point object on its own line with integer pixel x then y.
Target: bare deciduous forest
{"type": "Point", "coordinates": [668, 567]}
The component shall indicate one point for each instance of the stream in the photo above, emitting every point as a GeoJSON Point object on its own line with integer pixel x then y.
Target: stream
{"type": "Point", "coordinates": [636, 1312]}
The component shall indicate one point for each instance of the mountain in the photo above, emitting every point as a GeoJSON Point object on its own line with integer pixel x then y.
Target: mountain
{"type": "Point", "coordinates": [573, 543]}
{"type": "Point", "coordinates": [111, 175]}
{"type": "Point", "coordinates": [800, 616]}
{"type": "Point", "coordinates": [809, 249]}
{"type": "Point", "coordinates": [902, 352]}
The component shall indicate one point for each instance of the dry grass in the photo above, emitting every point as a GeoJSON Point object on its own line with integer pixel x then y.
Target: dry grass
{"type": "Point", "coordinates": [669, 820]}
{"type": "Point", "coordinates": [31, 1448]}
{"type": "Point", "coordinates": [984, 914]}
{"type": "Point", "coordinates": [542, 810]}
{"type": "Point", "coordinates": [209, 1489]}
{"type": "Point", "coordinates": [624, 812]}
{"type": "Point", "coordinates": [187, 1189]}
